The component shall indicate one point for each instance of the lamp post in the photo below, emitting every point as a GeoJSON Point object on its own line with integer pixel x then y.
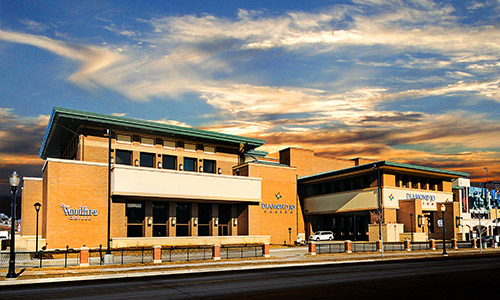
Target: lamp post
{"type": "Point", "coordinates": [443, 208]}
{"type": "Point", "coordinates": [37, 208]}
{"type": "Point", "coordinates": [14, 180]}
{"type": "Point", "coordinates": [108, 239]}
{"type": "Point", "coordinates": [289, 235]}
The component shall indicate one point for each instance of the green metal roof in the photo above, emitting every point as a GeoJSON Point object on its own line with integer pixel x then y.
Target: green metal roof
{"type": "Point", "coordinates": [382, 164]}
{"type": "Point", "coordinates": [69, 120]}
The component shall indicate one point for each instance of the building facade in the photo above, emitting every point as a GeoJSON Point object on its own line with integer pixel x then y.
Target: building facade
{"type": "Point", "coordinates": [128, 182]}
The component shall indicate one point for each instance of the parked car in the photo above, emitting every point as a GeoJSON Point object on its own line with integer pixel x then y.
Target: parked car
{"type": "Point", "coordinates": [322, 236]}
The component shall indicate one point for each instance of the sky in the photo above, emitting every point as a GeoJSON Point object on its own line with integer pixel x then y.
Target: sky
{"type": "Point", "coordinates": [407, 81]}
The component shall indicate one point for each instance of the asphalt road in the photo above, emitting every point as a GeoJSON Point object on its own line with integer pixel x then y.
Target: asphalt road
{"type": "Point", "coordinates": [447, 278]}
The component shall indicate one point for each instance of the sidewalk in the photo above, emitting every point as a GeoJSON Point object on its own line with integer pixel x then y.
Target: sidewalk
{"type": "Point", "coordinates": [280, 257]}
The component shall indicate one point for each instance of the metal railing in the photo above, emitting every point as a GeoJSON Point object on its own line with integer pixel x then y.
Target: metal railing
{"type": "Point", "coordinates": [242, 251]}
{"type": "Point", "coordinates": [364, 247]}
{"type": "Point", "coordinates": [173, 254]}
{"type": "Point", "coordinates": [394, 246]}
{"type": "Point", "coordinates": [420, 246]}
{"type": "Point", "coordinates": [57, 258]}
{"type": "Point", "coordinates": [330, 248]}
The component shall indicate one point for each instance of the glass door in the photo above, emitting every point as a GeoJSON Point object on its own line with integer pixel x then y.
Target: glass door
{"type": "Point", "coordinates": [135, 219]}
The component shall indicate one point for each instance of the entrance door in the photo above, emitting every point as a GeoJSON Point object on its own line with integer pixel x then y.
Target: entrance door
{"type": "Point", "coordinates": [204, 217]}
{"type": "Point", "coordinates": [183, 215]}
{"type": "Point", "coordinates": [224, 219]}
{"type": "Point", "coordinates": [160, 216]}
{"type": "Point", "coordinates": [135, 219]}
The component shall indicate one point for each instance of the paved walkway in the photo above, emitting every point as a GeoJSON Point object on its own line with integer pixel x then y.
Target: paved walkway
{"type": "Point", "coordinates": [280, 257]}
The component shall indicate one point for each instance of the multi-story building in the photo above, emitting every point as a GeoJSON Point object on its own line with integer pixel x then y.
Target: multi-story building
{"type": "Point", "coordinates": [144, 183]}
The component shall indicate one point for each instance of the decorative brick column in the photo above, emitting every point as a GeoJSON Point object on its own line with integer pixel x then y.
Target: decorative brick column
{"type": "Point", "coordinates": [454, 243]}
{"type": "Point", "coordinates": [379, 246]}
{"type": "Point", "coordinates": [432, 244]}
{"type": "Point", "coordinates": [348, 246]}
{"type": "Point", "coordinates": [216, 252]}
{"type": "Point", "coordinates": [157, 254]}
{"type": "Point", "coordinates": [474, 243]}
{"type": "Point", "coordinates": [84, 256]}
{"type": "Point", "coordinates": [312, 248]}
{"type": "Point", "coordinates": [408, 245]}
{"type": "Point", "coordinates": [266, 250]}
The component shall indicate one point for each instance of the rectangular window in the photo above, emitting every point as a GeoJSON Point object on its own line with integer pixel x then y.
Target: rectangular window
{"type": "Point", "coordinates": [183, 215]}
{"type": "Point", "coordinates": [160, 217]}
{"type": "Point", "coordinates": [123, 157]}
{"type": "Point", "coordinates": [208, 166]}
{"type": "Point", "coordinates": [190, 147]}
{"type": "Point", "coordinates": [209, 149]}
{"type": "Point", "coordinates": [189, 164]}
{"type": "Point", "coordinates": [147, 141]}
{"type": "Point", "coordinates": [147, 160]}
{"type": "Point", "coordinates": [123, 138]}
{"type": "Point", "coordinates": [169, 144]}
{"type": "Point", "coordinates": [169, 162]}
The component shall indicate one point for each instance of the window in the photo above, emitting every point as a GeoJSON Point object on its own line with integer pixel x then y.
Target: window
{"type": "Point", "coordinates": [147, 141]}
{"type": "Point", "coordinates": [190, 147]}
{"type": "Point", "coordinates": [122, 138]}
{"type": "Point", "coordinates": [183, 215]}
{"type": "Point", "coordinates": [169, 144]}
{"type": "Point", "coordinates": [208, 166]}
{"type": "Point", "coordinates": [160, 217]}
{"type": "Point", "coordinates": [135, 218]}
{"type": "Point", "coordinates": [123, 157]}
{"type": "Point", "coordinates": [147, 160]}
{"type": "Point", "coordinates": [169, 162]}
{"type": "Point", "coordinates": [189, 164]}
{"type": "Point", "coordinates": [209, 149]}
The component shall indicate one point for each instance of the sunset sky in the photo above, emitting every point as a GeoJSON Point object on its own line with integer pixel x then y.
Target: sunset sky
{"type": "Point", "coordinates": [406, 81]}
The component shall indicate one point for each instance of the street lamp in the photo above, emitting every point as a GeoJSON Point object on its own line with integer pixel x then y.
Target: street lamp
{"type": "Point", "coordinates": [443, 208]}
{"type": "Point", "coordinates": [37, 208]}
{"type": "Point", "coordinates": [14, 180]}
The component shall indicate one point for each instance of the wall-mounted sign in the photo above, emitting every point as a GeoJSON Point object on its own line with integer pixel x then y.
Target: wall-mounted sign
{"type": "Point", "coordinates": [83, 213]}
{"type": "Point", "coordinates": [273, 208]}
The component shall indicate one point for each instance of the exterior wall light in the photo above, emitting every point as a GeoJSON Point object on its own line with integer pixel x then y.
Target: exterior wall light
{"type": "Point", "coordinates": [458, 221]}
{"type": "Point", "coordinates": [195, 221]}
{"type": "Point", "coordinates": [136, 163]}
{"type": "Point", "coordinates": [173, 221]}
{"type": "Point", "coordinates": [235, 222]}
{"type": "Point", "coordinates": [150, 221]}
{"type": "Point", "coordinates": [159, 165]}
{"type": "Point", "coordinates": [216, 221]}
{"type": "Point", "coordinates": [181, 167]}
{"type": "Point", "coordinates": [112, 160]}
{"type": "Point", "coordinates": [201, 169]}
{"type": "Point", "coordinates": [219, 170]}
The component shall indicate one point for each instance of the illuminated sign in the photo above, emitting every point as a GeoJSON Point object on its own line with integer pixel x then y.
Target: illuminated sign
{"type": "Point", "coordinates": [277, 208]}
{"type": "Point", "coordinates": [83, 213]}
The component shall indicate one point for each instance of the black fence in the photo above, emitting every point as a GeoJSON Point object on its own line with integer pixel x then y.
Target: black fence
{"type": "Point", "coordinates": [330, 248]}
{"type": "Point", "coordinates": [420, 246]}
{"type": "Point", "coordinates": [57, 258]}
{"type": "Point", "coordinates": [173, 254]}
{"type": "Point", "coordinates": [120, 256]}
{"type": "Point", "coordinates": [243, 251]}
{"type": "Point", "coordinates": [364, 247]}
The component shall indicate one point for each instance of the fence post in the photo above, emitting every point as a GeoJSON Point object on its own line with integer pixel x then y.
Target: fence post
{"type": "Point", "coordinates": [84, 256]}
{"type": "Point", "coordinates": [157, 254]}
{"type": "Point", "coordinates": [348, 246]}
{"type": "Point", "coordinates": [266, 250]}
{"type": "Point", "coordinates": [432, 243]}
{"type": "Point", "coordinates": [312, 248]}
{"type": "Point", "coordinates": [216, 252]}
{"type": "Point", "coordinates": [454, 243]}
{"type": "Point", "coordinates": [379, 246]}
{"type": "Point", "coordinates": [474, 243]}
{"type": "Point", "coordinates": [408, 245]}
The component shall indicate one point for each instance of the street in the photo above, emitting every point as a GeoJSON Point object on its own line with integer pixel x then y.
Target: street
{"type": "Point", "coordinates": [444, 278]}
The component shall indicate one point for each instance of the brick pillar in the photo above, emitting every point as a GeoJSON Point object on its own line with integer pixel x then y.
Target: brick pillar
{"type": "Point", "coordinates": [474, 243]}
{"type": "Point", "coordinates": [312, 248]}
{"type": "Point", "coordinates": [454, 243]}
{"type": "Point", "coordinates": [432, 244]}
{"type": "Point", "coordinates": [408, 245]}
{"type": "Point", "coordinates": [84, 256]}
{"type": "Point", "coordinates": [157, 254]}
{"type": "Point", "coordinates": [348, 246]}
{"type": "Point", "coordinates": [265, 250]}
{"type": "Point", "coordinates": [216, 252]}
{"type": "Point", "coordinates": [379, 246]}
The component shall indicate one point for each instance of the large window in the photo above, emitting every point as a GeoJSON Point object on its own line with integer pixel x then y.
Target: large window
{"type": "Point", "coordinates": [204, 218]}
{"type": "Point", "coordinates": [123, 157]}
{"type": "Point", "coordinates": [169, 162]}
{"type": "Point", "coordinates": [183, 215]}
{"type": "Point", "coordinates": [135, 219]}
{"type": "Point", "coordinates": [160, 217]}
{"type": "Point", "coordinates": [189, 164]}
{"type": "Point", "coordinates": [208, 166]}
{"type": "Point", "coordinates": [147, 160]}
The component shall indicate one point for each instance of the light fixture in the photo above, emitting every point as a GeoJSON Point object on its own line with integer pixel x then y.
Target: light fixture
{"type": "Point", "coordinates": [136, 162]}
{"type": "Point", "coordinates": [172, 221]}
{"type": "Point", "coordinates": [216, 221]}
{"type": "Point", "coordinates": [181, 167]}
{"type": "Point", "coordinates": [159, 165]}
{"type": "Point", "coordinates": [195, 221]}
{"type": "Point", "coordinates": [201, 169]}
{"type": "Point", "coordinates": [443, 208]}
{"type": "Point", "coordinates": [112, 160]}
{"type": "Point", "coordinates": [14, 179]}
{"type": "Point", "coordinates": [458, 221]}
{"type": "Point", "coordinates": [219, 170]}
{"type": "Point", "coordinates": [235, 222]}
{"type": "Point", "coordinates": [150, 221]}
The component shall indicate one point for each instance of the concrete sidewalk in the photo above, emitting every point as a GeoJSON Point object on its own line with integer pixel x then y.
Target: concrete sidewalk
{"type": "Point", "coordinates": [280, 258]}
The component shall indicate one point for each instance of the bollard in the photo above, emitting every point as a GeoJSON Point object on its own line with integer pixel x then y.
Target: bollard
{"type": "Point", "coordinates": [408, 245]}
{"type": "Point", "coordinates": [474, 243]}
{"type": "Point", "coordinates": [432, 243]}
{"type": "Point", "coordinates": [157, 254]}
{"type": "Point", "coordinates": [312, 248]}
{"type": "Point", "coordinates": [348, 246]}
{"type": "Point", "coordinates": [455, 243]}
{"type": "Point", "coordinates": [216, 252]}
{"type": "Point", "coordinates": [265, 250]}
{"type": "Point", "coordinates": [84, 256]}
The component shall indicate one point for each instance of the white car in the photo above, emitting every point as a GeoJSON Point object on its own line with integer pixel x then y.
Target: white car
{"type": "Point", "coordinates": [322, 236]}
